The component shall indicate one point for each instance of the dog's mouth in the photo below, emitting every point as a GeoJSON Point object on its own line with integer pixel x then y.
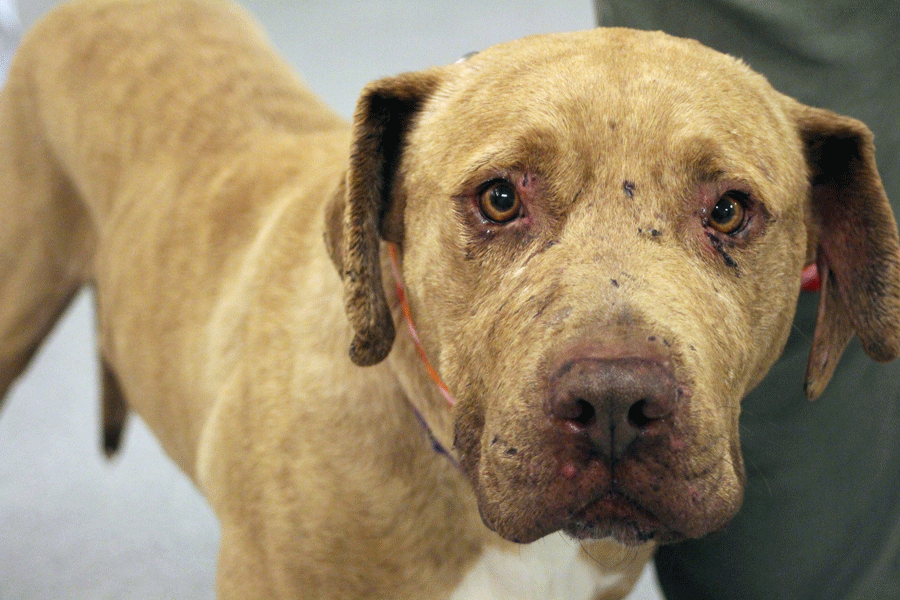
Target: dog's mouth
{"type": "Point", "coordinates": [662, 494]}
{"type": "Point", "coordinates": [630, 514]}
{"type": "Point", "coordinates": [615, 515]}
{"type": "Point", "coordinates": [609, 512]}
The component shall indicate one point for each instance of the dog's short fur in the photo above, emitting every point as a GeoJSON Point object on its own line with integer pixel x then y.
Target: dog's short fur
{"type": "Point", "coordinates": [601, 235]}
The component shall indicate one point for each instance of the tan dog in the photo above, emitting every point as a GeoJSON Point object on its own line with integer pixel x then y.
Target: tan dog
{"type": "Point", "coordinates": [601, 235]}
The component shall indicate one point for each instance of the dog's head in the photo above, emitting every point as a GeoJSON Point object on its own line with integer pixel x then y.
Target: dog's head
{"type": "Point", "coordinates": [602, 236]}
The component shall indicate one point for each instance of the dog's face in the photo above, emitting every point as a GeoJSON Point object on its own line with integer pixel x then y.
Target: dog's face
{"type": "Point", "coordinates": [602, 236]}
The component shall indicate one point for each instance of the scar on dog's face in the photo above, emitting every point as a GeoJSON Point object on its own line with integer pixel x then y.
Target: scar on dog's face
{"type": "Point", "coordinates": [602, 236]}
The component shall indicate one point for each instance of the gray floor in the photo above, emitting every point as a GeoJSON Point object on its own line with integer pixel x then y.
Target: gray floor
{"type": "Point", "coordinates": [74, 526]}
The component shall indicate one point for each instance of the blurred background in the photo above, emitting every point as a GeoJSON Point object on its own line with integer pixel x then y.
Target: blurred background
{"type": "Point", "coordinates": [74, 525]}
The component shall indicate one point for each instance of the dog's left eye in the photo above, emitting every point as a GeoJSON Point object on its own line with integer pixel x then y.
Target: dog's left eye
{"type": "Point", "coordinates": [729, 215]}
{"type": "Point", "coordinates": [499, 202]}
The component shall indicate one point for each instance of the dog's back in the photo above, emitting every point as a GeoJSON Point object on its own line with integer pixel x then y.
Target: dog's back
{"type": "Point", "coordinates": [90, 136]}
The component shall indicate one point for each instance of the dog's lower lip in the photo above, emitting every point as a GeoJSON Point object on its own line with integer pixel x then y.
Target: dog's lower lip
{"type": "Point", "coordinates": [614, 504]}
{"type": "Point", "coordinates": [615, 514]}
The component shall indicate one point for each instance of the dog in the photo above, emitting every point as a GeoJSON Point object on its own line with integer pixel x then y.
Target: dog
{"type": "Point", "coordinates": [558, 266]}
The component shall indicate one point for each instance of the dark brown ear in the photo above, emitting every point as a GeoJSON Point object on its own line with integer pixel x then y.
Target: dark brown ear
{"type": "Point", "coordinates": [856, 239]}
{"type": "Point", "coordinates": [366, 206]}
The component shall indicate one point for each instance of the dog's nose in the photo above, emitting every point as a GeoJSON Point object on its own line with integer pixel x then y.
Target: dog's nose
{"type": "Point", "coordinates": [612, 401]}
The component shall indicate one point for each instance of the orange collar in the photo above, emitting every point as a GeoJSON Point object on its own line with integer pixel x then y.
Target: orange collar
{"type": "Point", "coordinates": [407, 314]}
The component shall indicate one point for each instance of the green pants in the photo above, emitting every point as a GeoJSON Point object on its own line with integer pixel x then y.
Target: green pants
{"type": "Point", "coordinates": [821, 516]}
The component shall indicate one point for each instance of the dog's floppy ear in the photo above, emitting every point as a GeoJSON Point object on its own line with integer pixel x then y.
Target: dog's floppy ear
{"type": "Point", "coordinates": [364, 207]}
{"type": "Point", "coordinates": [855, 237]}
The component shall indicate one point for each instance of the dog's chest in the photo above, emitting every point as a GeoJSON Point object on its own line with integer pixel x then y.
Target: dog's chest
{"type": "Point", "coordinates": [553, 568]}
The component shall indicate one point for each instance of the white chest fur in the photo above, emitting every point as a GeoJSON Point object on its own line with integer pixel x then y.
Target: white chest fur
{"type": "Point", "coordinates": [553, 568]}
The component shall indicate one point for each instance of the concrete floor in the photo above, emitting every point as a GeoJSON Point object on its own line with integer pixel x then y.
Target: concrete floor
{"type": "Point", "coordinates": [73, 525]}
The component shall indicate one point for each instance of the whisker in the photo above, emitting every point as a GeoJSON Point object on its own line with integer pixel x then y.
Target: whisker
{"type": "Point", "coordinates": [761, 474]}
{"type": "Point", "coordinates": [801, 333]}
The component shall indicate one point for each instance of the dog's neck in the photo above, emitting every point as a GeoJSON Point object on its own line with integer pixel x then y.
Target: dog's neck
{"type": "Point", "coordinates": [414, 335]}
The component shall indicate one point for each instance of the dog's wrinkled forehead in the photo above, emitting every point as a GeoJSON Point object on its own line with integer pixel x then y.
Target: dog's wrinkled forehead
{"type": "Point", "coordinates": [573, 86]}
{"type": "Point", "coordinates": [617, 56]}
{"type": "Point", "coordinates": [615, 99]}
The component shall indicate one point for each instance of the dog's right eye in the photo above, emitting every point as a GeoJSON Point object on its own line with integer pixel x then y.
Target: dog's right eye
{"type": "Point", "coordinates": [729, 215]}
{"type": "Point", "coordinates": [499, 202]}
